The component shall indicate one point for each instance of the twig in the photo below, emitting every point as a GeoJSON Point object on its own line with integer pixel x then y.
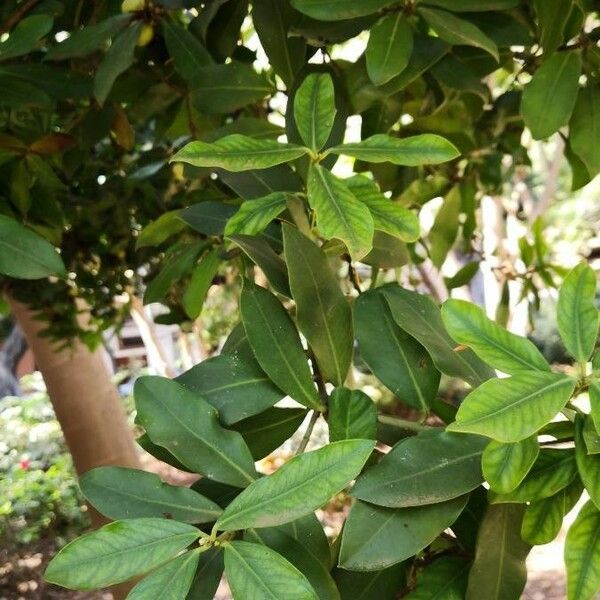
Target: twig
{"type": "Point", "coordinates": [309, 429]}
{"type": "Point", "coordinates": [403, 423]}
{"type": "Point", "coordinates": [353, 275]}
{"type": "Point", "coordinates": [17, 15]}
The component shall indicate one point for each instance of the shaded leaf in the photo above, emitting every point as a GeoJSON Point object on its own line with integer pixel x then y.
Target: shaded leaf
{"type": "Point", "coordinates": [25, 37]}
{"type": "Point", "coordinates": [326, 10]}
{"type": "Point", "coordinates": [351, 415]}
{"type": "Point", "coordinates": [200, 282]}
{"type": "Point", "coordinates": [188, 54]}
{"type": "Point", "coordinates": [208, 575]}
{"type": "Point", "coordinates": [254, 215]}
{"type": "Point", "coordinates": [446, 578]}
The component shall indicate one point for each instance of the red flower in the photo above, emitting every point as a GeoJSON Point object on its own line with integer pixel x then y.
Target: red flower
{"type": "Point", "coordinates": [24, 464]}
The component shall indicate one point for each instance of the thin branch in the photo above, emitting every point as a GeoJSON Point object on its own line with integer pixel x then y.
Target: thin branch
{"type": "Point", "coordinates": [309, 429]}
{"type": "Point", "coordinates": [403, 423]}
{"type": "Point", "coordinates": [353, 275]}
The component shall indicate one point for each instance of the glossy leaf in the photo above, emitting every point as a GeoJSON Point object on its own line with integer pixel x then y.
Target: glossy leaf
{"type": "Point", "coordinates": [123, 493]}
{"type": "Point", "coordinates": [351, 415]}
{"type": "Point", "coordinates": [276, 344]}
{"type": "Point", "coordinates": [506, 465]}
{"type": "Point", "coordinates": [429, 468]}
{"type": "Point", "coordinates": [254, 215]}
{"type": "Point", "coordinates": [200, 282]}
{"type": "Point", "coordinates": [187, 426]}
{"type": "Point", "coordinates": [117, 552]}
{"type": "Point", "coordinates": [323, 313]}
{"type": "Point", "coordinates": [445, 578]}
{"type": "Point", "coordinates": [325, 10]}
{"type": "Point", "coordinates": [297, 488]}
{"type": "Point", "coordinates": [512, 409]}
{"type": "Point", "coordinates": [505, 351]}
{"type": "Point", "coordinates": [238, 152]}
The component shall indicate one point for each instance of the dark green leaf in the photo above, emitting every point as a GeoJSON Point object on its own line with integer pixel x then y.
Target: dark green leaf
{"type": "Point", "coordinates": [208, 217]}
{"type": "Point", "coordinates": [473, 5]}
{"type": "Point", "coordinates": [371, 585]}
{"type": "Point", "coordinates": [208, 575]}
{"type": "Point", "coordinates": [200, 282]}
{"type": "Point", "coordinates": [552, 18]}
{"type": "Point", "coordinates": [328, 10]}
{"type": "Point", "coordinates": [588, 465]}
{"type": "Point", "coordinates": [446, 579]}
{"type": "Point", "coordinates": [188, 54]}
{"type": "Point", "coordinates": [351, 415]}
{"type": "Point", "coordinates": [584, 131]}
{"type": "Point", "coordinates": [25, 37]}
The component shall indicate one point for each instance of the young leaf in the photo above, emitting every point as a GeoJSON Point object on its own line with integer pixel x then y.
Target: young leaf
{"type": "Point", "coordinates": [510, 410]}
{"type": "Point", "coordinates": [314, 109]}
{"type": "Point", "coordinates": [506, 465]}
{"type": "Point", "coordinates": [117, 552]}
{"type": "Point", "coordinates": [424, 149]}
{"type": "Point", "coordinates": [323, 314]}
{"type": "Point", "coordinates": [389, 48]}
{"type": "Point", "coordinates": [444, 578]}
{"type": "Point", "coordinates": [582, 554]}
{"type": "Point", "coordinates": [431, 467]}
{"type": "Point", "coordinates": [123, 493]}
{"type": "Point", "coordinates": [584, 128]}
{"type": "Point", "coordinates": [255, 572]}
{"type": "Point", "coordinates": [25, 254]}
{"type": "Point", "coordinates": [25, 37]}
{"type": "Point", "coordinates": [351, 415]}
{"type": "Point", "coordinates": [505, 351]}
{"type": "Point", "coordinates": [171, 581]}
{"type": "Point", "coordinates": [297, 488]}
{"type": "Point", "coordinates": [395, 358]}
{"type": "Point", "coordinates": [187, 426]}
{"type": "Point", "coordinates": [339, 214]}
{"type": "Point", "coordinates": [499, 565]}
{"type": "Point", "coordinates": [557, 78]}
{"type": "Point", "coordinates": [238, 152]}
{"type": "Point", "coordinates": [576, 313]}
{"type": "Point", "coordinates": [276, 344]}
{"type": "Point", "coordinates": [254, 215]}
{"type": "Point", "coordinates": [339, 9]}
{"type": "Point", "coordinates": [200, 282]}
{"type": "Point", "coordinates": [188, 54]}
{"type": "Point", "coordinates": [375, 537]}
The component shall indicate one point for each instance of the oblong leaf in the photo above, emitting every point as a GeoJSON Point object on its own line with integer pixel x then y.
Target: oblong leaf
{"type": "Point", "coordinates": [188, 54]}
{"type": "Point", "coordinates": [254, 215]}
{"type": "Point", "coordinates": [297, 488]}
{"type": "Point", "coordinates": [506, 465]}
{"type": "Point", "coordinates": [326, 10]}
{"type": "Point", "coordinates": [351, 415]}
{"type": "Point", "coordinates": [444, 578]}
{"type": "Point", "coordinates": [208, 575]}
{"type": "Point", "coordinates": [588, 465]}
{"type": "Point", "coordinates": [200, 282]}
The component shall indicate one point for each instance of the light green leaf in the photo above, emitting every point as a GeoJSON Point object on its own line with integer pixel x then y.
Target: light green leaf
{"type": "Point", "coordinates": [445, 227]}
{"type": "Point", "coordinates": [389, 48]}
{"type": "Point", "coordinates": [444, 579]}
{"type": "Point", "coordinates": [505, 351]}
{"type": "Point", "coordinates": [582, 554]}
{"type": "Point", "coordinates": [25, 37]}
{"type": "Point", "coordinates": [162, 229]}
{"type": "Point", "coordinates": [238, 152]}
{"type": "Point", "coordinates": [584, 129]}
{"type": "Point", "coordinates": [499, 565]}
{"type": "Point", "coordinates": [576, 313]}
{"type": "Point", "coordinates": [188, 54]}
{"type": "Point", "coordinates": [255, 572]}
{"type": "Point", "coordinates": [123, 493]}
{"type": "Point", "coordinates": [297, 488]}
{"type": "Point", "coordinates": [172, 581]}
{"type": "Point", "coordinates": [208, 575]}
{"type": "Point", "coordinates": [314, 109]}
{"type": "Point", "coordinates": [424, 149]}
{"type": "Point", "coordinates": [276, 344]}
{"type": "Point", "coordinates": [419, 316]}
{"type": "Point", "coordinates": [557, 78]}
{"type": "Point", "coordinates": [117, 552]}
{"type": "Point", "coordinates": [25, 254]}
{"type": "Point", "coordinates": [200, 282]}
{"type": "Point", "coordinates": [323, 313]}
{"type": "Point", "coordinates": [187, 426]}
{"type": "Point", "coordinates": [351, 415]}
{"type": "Point", "coordinates": [431, 467]}
{"type": "Point", "coordinates": [328, 10]}
{"type": "Point", "coordinates": [375, 537]}
{"type": "Point", "coordinates": [512, 409]}
{"type": "Point", "coordinates": [457, 31]}
{"type": "Point", "coordinates": [254, 215]}
{"type": "Point", "coordinates": [388, 216]}
{"type": "Point", "coordinates": [506, 465]}
{"type": "Point", "coordinates": [339, 214]}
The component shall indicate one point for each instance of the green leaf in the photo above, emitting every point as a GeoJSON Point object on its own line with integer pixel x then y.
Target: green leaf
{"type": "Point", "coordinates": [187, 426]}
{"type": "Point", "coordinates": [92, 37]}
{"type": "Point", "coordinates": [505, 351]}
{"type": "Point", "coordinates": [162, 229]}
{"type": "Point", "coordinates": [395, 358]}
{"type": "Point", "coordinates": [473, 5]}
{"type": "Point", "coordinates": [588, 465]}
{"type": "Point", "coordinates": [512, 409]}
{"type": "Point", "coordinates": [328, 10]}
{"type": "Point", "coordinates": [371, 585]}
{"type": "Point", "coordinates": [445, 578]}
{"type": "Point", "coordinates": [553, 470]}
{"type": "Point", "coordinates": [389, 48]}
{"type": "Point", "coordinates": [499, 565]}
{"type": "Point", "coordinates": [123, 493]}
{"type": "Point", "coordinates": [255, 572]}
{"type": "Point", "coordinates": [208, 575]}
{"type": "Point", "coordinates": [584, 129]}
{"type": "Point", "coordinates": [188, 54]}
{"type": "Point", "coordinates": [339, 214]}
{"type": "Point", "coordinates": [576, 313]}
{"type": "Point", "coordinates": [238, 152]}
{"type": "Point", "coordinates": [388, 216]}
{"type": "Point", "coordinates": [431, 467]}
{"type": "Point", "coordinates": [254, 215]}
{"type": "Point", "coordinates": [506, 465]}
{"type": "Point", "coordinates": [276, 344]}
{"type": "Point", "coordinates": [552, 19]}
{"type": "Point", "coordinates": [172, 581]}
{"type": "Point", "coordinates": [457, 31]}
{"type": "Point", "coordinates": [235, 385]}
{"type": "Point", "coordinates": [209, 217]}
{"type": "Point", "coordinates": [200, 282]}
{"type": "Point", "coordinates": [419, 316]}
{"type": "Point", "coordinates": [590, 434]}
{"type": "Point", "coordinates": [117, 552]}
{"type": "Point", "coordinates": [323, 313]}
{"type": "Point", "coordinates": [414, 151]}
{"type": "Point", "coordinates": [162, 454]}
{"type": "Point", "coordinates": [582, 554]}
{"type": "Point", "coordinates": [116, 61]}
{"type": "Point", "coordinates": [25, 254]}
{"type": "Point", "coordinates": [351, 415]}
{"type": "Point", "coordinates": [543, 519]}
{"type": "Point", "coordinates": [594, 393]}
{"type": "Point", "coordinates": [297, 488]}
{"type": "Point", "coordinates": [557, 78]}
{"type": "Point", "coordinates": [375, 537]}
{"type": "Point", "coordinates": [314, 109]}
{"type": "Point", "coordinates": [25, 37]}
